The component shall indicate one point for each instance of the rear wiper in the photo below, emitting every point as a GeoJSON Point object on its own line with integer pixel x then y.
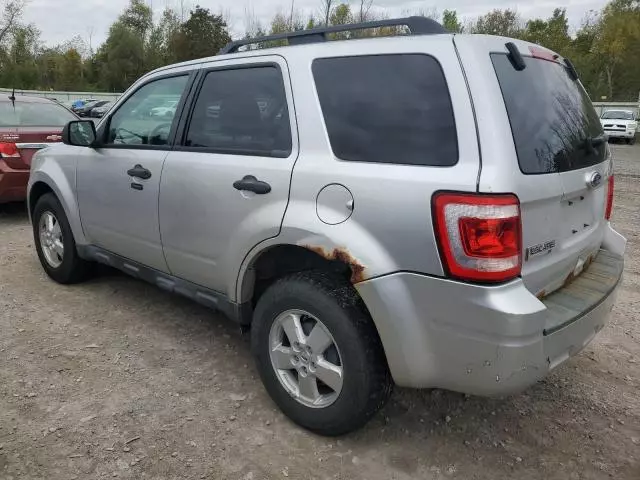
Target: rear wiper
{"type": "Point", "coordinates": [599, 140]}
{"type": "Point", "coordinates": [515, 56]}
{"type": "Point", "coordinates": [590, 143]}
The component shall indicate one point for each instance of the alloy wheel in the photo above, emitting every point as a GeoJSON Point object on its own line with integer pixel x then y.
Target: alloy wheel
{"type": "Point", "coordinates": [51, 241]}
{"type": "Point", "coordinates": [306, 358]}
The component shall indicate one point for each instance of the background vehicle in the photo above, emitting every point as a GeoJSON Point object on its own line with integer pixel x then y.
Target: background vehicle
{"type": "Point", "coordinates": [87, 108]}
{"type": "Point", "coordinates": [166, 110]}
{"type": "Point", "coordinates": [81, 103]}
{"type": "Point", "coordinates": [27, 124]}
{"type": "Point", "coordinates": [99, 112]}
{"type": "Point", "coordinates": [334, 198]}
{"type": "Point", "coordinates": [620, 124]}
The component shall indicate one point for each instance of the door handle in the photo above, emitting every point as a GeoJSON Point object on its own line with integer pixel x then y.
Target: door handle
{"type": "Point", "coordinates": [139, 172]}
{"type": "Point", "coordinates": [252, 184]}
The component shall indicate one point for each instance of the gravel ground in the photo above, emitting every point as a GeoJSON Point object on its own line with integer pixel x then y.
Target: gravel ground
{"type": "Point", "coordinates": [116, 379]}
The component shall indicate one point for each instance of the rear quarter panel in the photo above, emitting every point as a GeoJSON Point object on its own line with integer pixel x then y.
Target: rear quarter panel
{"type": "Point", "coordinates": [390, 228]}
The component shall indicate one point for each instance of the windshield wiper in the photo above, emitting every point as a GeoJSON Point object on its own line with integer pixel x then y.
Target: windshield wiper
{"type": "Point", "coordinates": [590, 143]}
{"type": "Point", "coordinates": [599, 140]}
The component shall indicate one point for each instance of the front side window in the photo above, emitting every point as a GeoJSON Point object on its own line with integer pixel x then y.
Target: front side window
{"type": "Point", "coordinates": [387, 109]}
{"type": "Point", "coordinates": [242, 111]}
{"type": "Point", "coordinates": [143, 119]}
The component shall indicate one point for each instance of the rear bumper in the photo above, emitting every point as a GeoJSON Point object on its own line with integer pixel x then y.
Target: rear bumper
{"type": "Point", "coordinates": [13, 183]}
{"type": "Point", "coordinates": [486, 340]}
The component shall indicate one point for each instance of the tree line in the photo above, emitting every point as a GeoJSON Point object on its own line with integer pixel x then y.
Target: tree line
{"type": "Point", "coordinates": [605, 48]}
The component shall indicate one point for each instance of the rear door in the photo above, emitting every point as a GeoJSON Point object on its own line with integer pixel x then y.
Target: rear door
{"type": "Point", "coordinates": [225, 188]}
{"type": "Point", "coordinates": [547, 146]}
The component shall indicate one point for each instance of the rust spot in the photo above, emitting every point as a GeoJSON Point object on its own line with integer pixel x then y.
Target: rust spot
{"type": "Point", "coordinates": [570, 278]}
{"type": "Point", "coordinates": [588, 262]}
{"type": "Point", "coordinates": [341, 255]}
{"type": "Point", "coordinates": [541, 294]}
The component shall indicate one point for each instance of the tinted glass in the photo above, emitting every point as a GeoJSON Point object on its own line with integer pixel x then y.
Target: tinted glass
{"type": "Point", "coordinates": [242, 111]}
{"type": "Point", "coordinates": [137, 122]}
{"type": "Point", "coordinates": [552, 119]}
{"type": "Point", "coordinates": [387, 109]}
{"type": "Point", "coordinates": [34, 115]}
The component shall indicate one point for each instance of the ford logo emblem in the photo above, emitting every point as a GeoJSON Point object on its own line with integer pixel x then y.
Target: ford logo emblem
{"type": "Point", "coordinates": [595, 180]}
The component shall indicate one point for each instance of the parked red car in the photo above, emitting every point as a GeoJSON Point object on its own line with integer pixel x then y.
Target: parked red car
{"type": "Point", "coordinates": [27, 124]}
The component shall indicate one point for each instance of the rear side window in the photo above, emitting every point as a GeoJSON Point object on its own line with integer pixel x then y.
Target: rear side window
{"type": "Point", "coordinates": [387, 109]}
{"type": "Point", "coordinates": [555, 127]}
{"type": "Point", "coordinates": [242, 111]}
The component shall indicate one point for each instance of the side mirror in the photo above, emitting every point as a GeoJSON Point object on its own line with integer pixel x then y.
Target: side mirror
{"type": "Point", "coordinates": [81, 133]}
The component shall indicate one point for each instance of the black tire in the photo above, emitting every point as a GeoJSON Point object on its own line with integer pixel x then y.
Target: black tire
{"type": "Point", "coordinates": [72, 269]}
{"type": "Point", "coordinates": [367, 382]}
{"type": "Point", "coordinates": [631, 141]}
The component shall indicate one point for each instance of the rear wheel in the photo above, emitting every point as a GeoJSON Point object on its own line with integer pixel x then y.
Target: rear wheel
{"type": "Point", "coordinates": [318, 353]}
{"type": "Point", "coordinates": [54, 242]}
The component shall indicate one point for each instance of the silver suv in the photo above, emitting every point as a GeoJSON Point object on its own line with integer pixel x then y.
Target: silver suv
{"type": "Point", "coordinates": [426, 210]}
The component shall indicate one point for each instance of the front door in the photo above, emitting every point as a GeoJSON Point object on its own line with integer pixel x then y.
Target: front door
{"type": "Point", "coordinates": [118, 183]}
{"type": "Point", "coordinates": [226, 187]}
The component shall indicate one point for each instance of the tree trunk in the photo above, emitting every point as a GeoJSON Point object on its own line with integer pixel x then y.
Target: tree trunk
{"type": "Point", "coordinates": [609, 71]}
{"type": "Point", "coordinates": [327, 11]}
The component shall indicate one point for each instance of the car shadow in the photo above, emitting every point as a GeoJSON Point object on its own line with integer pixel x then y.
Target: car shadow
{"type": "Point", "coordinates": [13, 209]}
{"type": "Point", "coordinates": [13, 213]}
{"type": "Point", "coordinates": [537, 429]}
{"type": "Point", "coordinates": [423, 433]}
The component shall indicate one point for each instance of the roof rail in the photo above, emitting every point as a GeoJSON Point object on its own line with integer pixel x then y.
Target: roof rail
{"type": "Point", "coordinates": [416, 25]}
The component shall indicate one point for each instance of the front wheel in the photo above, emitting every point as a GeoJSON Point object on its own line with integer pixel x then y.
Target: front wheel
{"type": "Point", "coordinates": [631, 141]}
{"type": "Point", "coordinates": [318, 353]}
{"type": "Point", "coordinates": [54, 242]}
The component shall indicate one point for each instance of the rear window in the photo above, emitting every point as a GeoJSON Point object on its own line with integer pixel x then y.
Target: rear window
{"type": "Point", "coordinates": [552, 119]}
{"type": "Point", "coordinates": [34, 115]}
{"type": "Point", "coordinates": [387, 109]}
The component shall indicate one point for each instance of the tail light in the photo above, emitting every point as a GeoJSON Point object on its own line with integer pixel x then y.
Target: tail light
{"type": "Point", "coordinates": [479, 236]}
{"type": "Point", "coordinates": [610, 188]}
{"type": "Point", "coordinates": [9, 150]}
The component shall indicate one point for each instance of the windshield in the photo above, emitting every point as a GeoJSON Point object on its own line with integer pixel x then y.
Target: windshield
{"type": "Point", "coordinates": [554, 125]}
{"type": "Point", "coordinates": [617, 115]}
{"type": "Point", "coordinates": [34, 115]}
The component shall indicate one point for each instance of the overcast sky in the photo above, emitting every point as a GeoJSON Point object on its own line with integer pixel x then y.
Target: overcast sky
{"type": "Point", "coordinates": [60, 20]}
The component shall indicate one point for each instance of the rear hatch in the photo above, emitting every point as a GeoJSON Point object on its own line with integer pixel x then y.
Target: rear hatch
{"type": "Point", "coordinates": [31, 124]}
{"type": "Point", "coordinates": [31, 139]}
{"type": "Point", "coordinates": [28, 140]}
{"type": "Point", "coordinates": [542, 140]}
{"type": "Point", "coordinates": [560, 143]}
